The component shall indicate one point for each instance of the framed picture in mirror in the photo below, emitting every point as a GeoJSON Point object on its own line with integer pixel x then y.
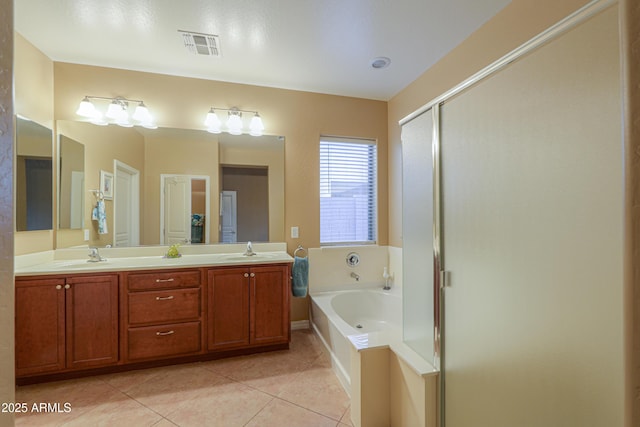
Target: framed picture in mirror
{"type": "Point", "coordinates": [106, 184]}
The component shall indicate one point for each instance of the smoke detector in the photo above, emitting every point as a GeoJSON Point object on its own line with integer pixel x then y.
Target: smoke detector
{"type": "Point", "coordinates": [201, 44]}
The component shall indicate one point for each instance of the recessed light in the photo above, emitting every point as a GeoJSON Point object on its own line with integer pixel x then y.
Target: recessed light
{"type": "Point", "coordinates": [380, 62]}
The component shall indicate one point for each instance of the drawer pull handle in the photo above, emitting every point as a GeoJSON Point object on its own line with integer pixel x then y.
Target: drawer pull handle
{"type": "Point", "coordinates": [164, 334]}
{"type": "Point", "coordinates": [164, 280]}
{"type": "Point", "coordinates": [164, 298]}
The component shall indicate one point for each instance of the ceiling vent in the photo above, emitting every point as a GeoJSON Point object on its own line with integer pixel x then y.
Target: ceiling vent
{"type": "Point", "coordinates": [201, 44]}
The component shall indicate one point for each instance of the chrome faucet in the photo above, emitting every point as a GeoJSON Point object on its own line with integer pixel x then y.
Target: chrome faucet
{"type": "Point", "coordinates": [355, 276]}
{"type": "Point", "coordinates": [94, 255]}
{"type": "Point", "coordinates": [387, 280]}
{"type": "Point", "coordinates": [249, 251]}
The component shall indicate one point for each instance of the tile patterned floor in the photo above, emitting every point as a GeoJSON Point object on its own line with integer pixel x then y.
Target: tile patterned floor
{"type": "Point", "coordinates": [294, 388]}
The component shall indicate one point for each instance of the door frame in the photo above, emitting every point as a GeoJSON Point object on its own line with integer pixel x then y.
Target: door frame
{"type": "Point", "coordinates": [207, 213]}
{"type": "Point", "coordinates": [134, 218]}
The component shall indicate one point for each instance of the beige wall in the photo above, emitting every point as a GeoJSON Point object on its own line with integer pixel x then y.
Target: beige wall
{"type": "Point", "coordinates": [33, 88]}
{"type": "Point", "coordinates": [33, 83]}
{"type": "Point", "coordinates": [517, 23]}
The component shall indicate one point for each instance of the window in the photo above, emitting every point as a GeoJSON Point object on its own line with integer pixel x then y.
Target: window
{"type": "Point", "coordinates": [348, 195]}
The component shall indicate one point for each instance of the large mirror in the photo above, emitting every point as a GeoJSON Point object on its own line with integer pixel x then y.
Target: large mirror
{"type": "Point", "coordinates": [34, 176]}
{"type": "Point", "coordinates": [71, 192]}
{"type": "Point", "coordinates": [177, 186]}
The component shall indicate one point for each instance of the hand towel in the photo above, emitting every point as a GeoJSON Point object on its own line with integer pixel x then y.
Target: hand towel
{"type": "Point", "coordinates": [102, 218]}
{"type": "Point", "coordinates": [300, 276]}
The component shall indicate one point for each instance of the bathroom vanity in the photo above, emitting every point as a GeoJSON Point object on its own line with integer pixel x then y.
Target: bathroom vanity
{"type": "Point", "coordinates": [76, 318]}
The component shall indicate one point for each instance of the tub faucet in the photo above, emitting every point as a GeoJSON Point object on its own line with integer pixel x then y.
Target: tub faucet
{"type": "Point", "coordinates": [249, 251]}
{"type": "Point", "coordinates": [94, 255]}
{"type": "Point", "coordinates": [387, 280]}
{"type": "Point", "coordinates": [355, 276]}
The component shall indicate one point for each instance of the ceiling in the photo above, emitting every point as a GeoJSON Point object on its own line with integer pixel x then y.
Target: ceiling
{"type": "Point", "coordinates": [316, 46]}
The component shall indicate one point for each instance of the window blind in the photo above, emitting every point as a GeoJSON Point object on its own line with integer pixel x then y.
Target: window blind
{"type": "Point", "coordinates": [348, 193]}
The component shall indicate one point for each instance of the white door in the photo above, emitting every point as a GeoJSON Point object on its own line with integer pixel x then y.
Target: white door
{"type": "Point", "coordinates": [126, 205]}
{"type": "Point", "coordinates": [122, 205]}
{"type": "Point", "coordinates": [77, 199]}
{"type": "Point", "coordinates": [177, 210]}
{"type": "Point", "coordinates": [228, 217]}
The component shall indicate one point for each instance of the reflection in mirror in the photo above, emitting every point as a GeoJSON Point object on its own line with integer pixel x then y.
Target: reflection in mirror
{"type": "Point", "coordinates": [71, 193]}
{"type": "Point", "coordinates": [34, 176]}
{"type": "Point", "coordinates": [182, 152]}
{"type": "Point", "coordinates": [244, 212]}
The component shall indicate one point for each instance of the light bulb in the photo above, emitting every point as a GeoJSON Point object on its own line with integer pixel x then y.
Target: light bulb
{"type": "Point", "coordinates": [234, 124]}
{"type": "Point", "coordinates": [142, 114]}
{"type": "Point", "coordinates": [256, 127]}
{"type": "Point", "coordinates": [212, 120]}
{"type": "Point", "coordinates": [115, 109]}
{"type": "Point", "coordinates": [86, 108]}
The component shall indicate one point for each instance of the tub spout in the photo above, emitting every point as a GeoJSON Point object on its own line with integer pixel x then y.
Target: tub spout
{"type": "Point", "coordinates": [355, 276]}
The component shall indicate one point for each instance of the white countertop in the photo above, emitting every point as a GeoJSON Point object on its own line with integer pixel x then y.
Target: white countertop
{"type": "Point", "coordinates": [76, 261]}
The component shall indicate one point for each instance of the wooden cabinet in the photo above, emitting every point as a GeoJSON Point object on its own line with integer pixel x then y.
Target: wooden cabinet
{"type": "Point", "coordinates": [228, 308]}
{"type": "Point", "coordinates": [164, 314]}
{"type": "Point", "coordinates": [247, 306]}
{"type": "Point", "coordinates": [40, 328]}
{"type": "Point", "coordinates": [66, 323]}
{"type": "Point", "coordinates": [71, 323]}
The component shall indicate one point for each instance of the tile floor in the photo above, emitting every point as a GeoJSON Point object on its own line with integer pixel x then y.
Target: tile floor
{"type": "Point", "coordinates": [284, 389]}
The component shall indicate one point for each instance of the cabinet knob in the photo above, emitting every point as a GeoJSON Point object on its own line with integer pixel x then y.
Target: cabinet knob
{"type": "Point", "coordinates": [58, 287]}
{"type": "Point", "coordinates": [246, 274]}
{"type": "Point", "coordinates": [253, 274]}
{"type": "Point", "coordinates": [67, 286]}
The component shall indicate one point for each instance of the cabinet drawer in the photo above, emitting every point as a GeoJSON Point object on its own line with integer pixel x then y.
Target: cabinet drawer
{"type": "Point", "coordinates": [168, 306]}
{"type": "Point", "coordinates": [167, 340]}
{"type": "Point", "coordinates": [163, 280]}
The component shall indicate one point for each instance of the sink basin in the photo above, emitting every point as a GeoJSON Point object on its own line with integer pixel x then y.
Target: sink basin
{"type": "Point", "coordinates": [261, 256]}
{"type": "Point", "coordinates": [80, 265]}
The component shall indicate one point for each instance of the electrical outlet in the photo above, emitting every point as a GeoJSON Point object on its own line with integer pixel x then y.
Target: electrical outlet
{"type": "Point", "coordinates": [294, 232]}
{"type": "Point", "coordinates": [86, 235]}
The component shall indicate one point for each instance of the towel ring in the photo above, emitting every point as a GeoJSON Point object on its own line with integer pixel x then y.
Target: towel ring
{"type": "Point", "coordinates": [99, 194]}
{"type": "Point", "coordinates": [298, 249]}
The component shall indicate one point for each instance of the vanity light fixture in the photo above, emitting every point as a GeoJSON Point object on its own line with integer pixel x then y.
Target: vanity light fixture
{"type": "Point", "coordinates": [234, 124]}
{"type": "Point", "coordinates": [117, 112]}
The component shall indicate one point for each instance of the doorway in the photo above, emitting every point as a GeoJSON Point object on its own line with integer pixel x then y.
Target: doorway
{"type": "Point", "coordinates": [251, 187]}
{"type": "Point", "coordinates": [184, 209]}
{"type": "Point", "coordinates": [126, 205]}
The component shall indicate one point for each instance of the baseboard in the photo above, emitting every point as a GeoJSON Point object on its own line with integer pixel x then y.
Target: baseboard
{"type": "Point", "coordinates": [299, 324]}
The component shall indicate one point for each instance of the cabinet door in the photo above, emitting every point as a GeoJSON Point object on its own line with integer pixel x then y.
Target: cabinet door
{"type": "Point", "coordinates": [92, 321]}
{"type": "Point", "coordinates": [228, 308]}
{"type": "Point", "coordinates": [270, 304]}
{"type": "Point", "coordinates": [40, 335]}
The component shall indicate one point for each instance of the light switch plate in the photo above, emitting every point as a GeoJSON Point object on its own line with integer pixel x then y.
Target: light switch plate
{"type": "Point", "coordinates": [294, 232]}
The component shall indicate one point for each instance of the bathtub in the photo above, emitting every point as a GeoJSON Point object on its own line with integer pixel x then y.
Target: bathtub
{"type": "Point", "coordinates": [364, 317]}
